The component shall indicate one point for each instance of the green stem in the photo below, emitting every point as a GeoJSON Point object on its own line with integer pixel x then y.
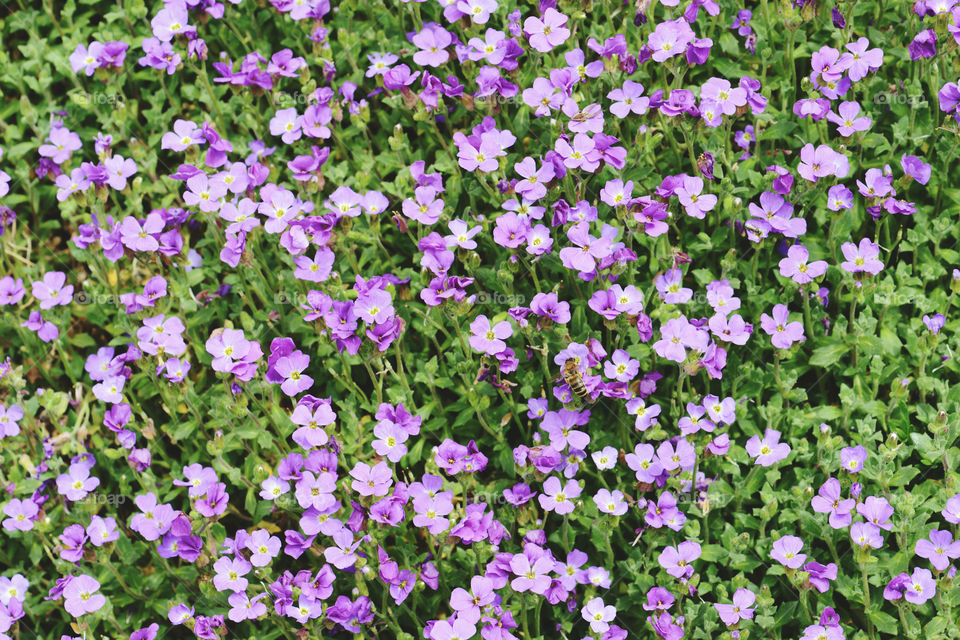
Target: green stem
{"type": "Point", "coordinates": [866, 599]}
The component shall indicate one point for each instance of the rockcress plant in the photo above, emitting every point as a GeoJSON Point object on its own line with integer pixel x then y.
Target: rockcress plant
{"type": "Point", "coordinates": [293, 297]}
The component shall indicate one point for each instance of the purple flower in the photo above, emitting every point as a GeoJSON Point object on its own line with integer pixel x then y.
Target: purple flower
{"type": "Point", "coordinates": [694, 201]}
{"type": "Point", "coordinates": [532, 573]}
{"type": "Point", "coordinates": [375, 480]}
{"type": "Point", "coordinates": [263, 547]}
{"type": "Point", "coordinates": [829, 500]}
{"type": "Point", "coordinates": [119, 169]}
{"type": "Point", "coordinates": [11, 291]}
{"type": "Point", "coordinates": [677, 560]}
{"type": "Point", "coordinates": [678, 335]}
{"type": "Point", "coordinates": [154, 519]}
{"type": "Point", "coordinates": [862, 258]}
{"type": "Point", "coordinates": [489, 339]}
{"type": "Point", "coordinates": [875, 510]}
{"type": "Point", "coordinates": [820, 162]}
{"type": "Point", "coordinates": [741, 609]}
{"type": "Point", "coordinates": [722, 93]}
{"type": "Point", "coordinates": [629, 99]}
{"type": "Point", "coordinates": [229, 574]}
{"type": "Point", "coordinates": [102, 530]}
{"type": "Point", "coordinates": [621, 366]}
{"type": "Point", "coordinates": [146, 633]}
{"type": "Point", "coordinates": [432, 42]}
{"type": "Point", "coordinates": [797, 267]}
{"type": "Point", "coordinates": [461, 627]}
{"type": "Point", "coordinates": [50, 291]}
{"type": "Point", "coordinates": [672, 456]}
{"type": "Point", "coordinates": [859, 61]}
{"type": "Point", "coordinates": [233, 353]}
{"type": "Point", "coordinates": [769, 450]}
{"type": "Point", "coordinates": [519, 494]}
{"type": "Point", "coordinates": [786, 551]}
{"type": "Point", "coordinates": [951, 511]}
{"type": "Point", "coordinates": [934, 323]}
{"type": "Point", "coordinates": [852, 458]}
{"type": "Point", "coordinates": [468, 604]}
{"type": "Point", "coordinates": [141, 237]}
{"type": "Point", "coordinates": [547, 32]}
{"type": "Point", "coordinates": [670, 38]}
{"type": "Point", "coordinates": [866, 535]}
{"type": "Point", "coordinates": [171, 21]}
{"type": "Point", "coordinates": [160, 55]}
{"type": "Point", "coordinates": [86, 58]}
{"type": "Point", "coordinates": [76, 483]}
{"type": "Point", "coordinates": [745, 138]}
{"type": "Point", "coordinates": [896, 587]}
{"type": "Point", "coordinates": [847, 121]}
{"type": "Point", "coordinates": [784, 333]}
{"type": "Point", "coordinates": [839, 197]}
{"type": "Point", "coordinates": [820, 575]}
{"type": "Point", "coordinates": [390, 440]}
{"type": "Point", "coordinates": [245, 608]}
{"type": "Point", "coordinates": [9, 417]}
{"type": "Point", "coordinates": [581, 154]}
{"type": "Point", "coordinates": [46, 331]}
{"type": "Point", "coordinates": [949, 99]}
{"type": "Point", "coordinates": [291, 369]}
{"type": "Point", "coordinates": [80, 596]}
{"type": "Point", "coordinates": [287, 124]}
{"type": "Point", "coordinates": [557, 497]}
{"type": "Point", "coordinates": [818, 632]}
{"type": "Point", "coordinates": [185, 134]}
{"type": "Point", "coordinates": [939, 549]}
{"type": "Point", "coordinates": [72, 541]}
{"type": "Point", "coordinates": [916, 168]}
{"type": "Point", "coordinates": [62, 144]}
{"type": "Point", "coordinates": [924, 45]}
{"type": "Point", "coordinates": [598, 615]}
{"type": "Point", "coordinates": [920, 587]}
{"type": "Point", "coordinates": [658, 599]}
{"type": "Point", "coordinates": [20, 514]}
{"type": "Point", "coordinates": [664, 626]}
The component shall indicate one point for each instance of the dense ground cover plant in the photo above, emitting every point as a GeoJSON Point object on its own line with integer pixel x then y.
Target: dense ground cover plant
{"type": "Point", "coordinates": [475, 318]}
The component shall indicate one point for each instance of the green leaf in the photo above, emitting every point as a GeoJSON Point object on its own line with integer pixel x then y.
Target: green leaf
{"type": "Point", "coordinates": [785, 613]}
{"type": "Point", "coordinates": [890, 342]}
{"type": "Point", "coordinates": [829, 354]}
{"type": "Point", "coordinates": [82, 340]}
{"type": "Point", "coordinates": [183, 430]}
{"type": "Point", "coordinates": [248, 430]}
{"type": "Point", "coordinates": [713, 553]}
{"type": "Point", "coordinates": [884, 622]}
{"type": "Point", "coordinates": [925, 446]}
{"type": "Point", "coordinates": [903, 476]}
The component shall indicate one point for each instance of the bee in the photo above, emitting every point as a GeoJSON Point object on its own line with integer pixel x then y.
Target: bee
{"type": "Point", "coordinates": [586, 114]}
{"type": "Point", "coordinates": [753, 229]}
{"type": "Point", "coordinates": [574, 379]}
